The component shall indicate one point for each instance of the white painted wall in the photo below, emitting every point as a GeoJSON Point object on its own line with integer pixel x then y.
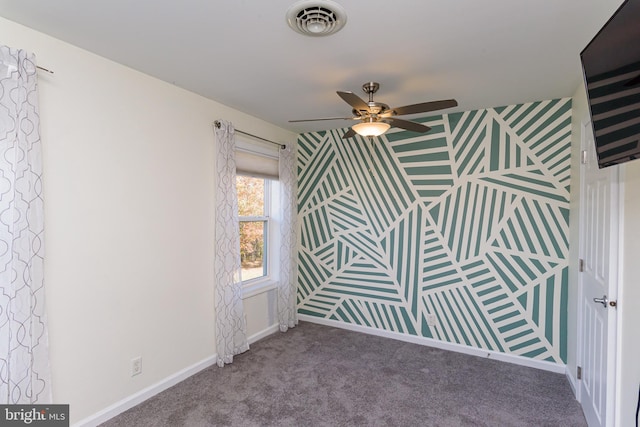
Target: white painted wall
{"type": "Point", "coordinates": [128, 186]}
{"type": "Point", "coordinates": [629, 296]}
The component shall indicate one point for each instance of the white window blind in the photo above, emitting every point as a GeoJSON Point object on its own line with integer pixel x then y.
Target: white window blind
{"type": "Point", "coordinates": [256, 158]}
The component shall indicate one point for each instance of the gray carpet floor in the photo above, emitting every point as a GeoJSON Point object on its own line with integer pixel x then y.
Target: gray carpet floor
{"type": "Point", "coordinates": [317, 375]}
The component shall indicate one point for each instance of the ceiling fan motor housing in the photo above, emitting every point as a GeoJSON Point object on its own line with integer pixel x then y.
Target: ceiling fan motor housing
{"type": "Point", "coordinates": [375, 108]}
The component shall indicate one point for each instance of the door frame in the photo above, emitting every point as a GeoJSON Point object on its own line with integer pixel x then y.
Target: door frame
{"type": "Point", "coordinates": [616, 236]}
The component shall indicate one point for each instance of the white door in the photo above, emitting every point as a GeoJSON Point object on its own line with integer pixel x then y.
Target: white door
{"type": "Point", "coordinates": [599, 247]}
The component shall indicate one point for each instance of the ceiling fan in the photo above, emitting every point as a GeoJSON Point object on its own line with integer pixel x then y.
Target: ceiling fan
{"type": "Point", "coordinates": [376, 118]}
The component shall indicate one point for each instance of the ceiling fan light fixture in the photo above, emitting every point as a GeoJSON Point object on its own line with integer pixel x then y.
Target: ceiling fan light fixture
{"type": "Point", "coordinates": [316, 17]}
{"type": "Point", "coordinates": [371, 128]}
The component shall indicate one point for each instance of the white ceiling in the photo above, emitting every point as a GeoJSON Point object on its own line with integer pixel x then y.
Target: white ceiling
{"type": "Point", "coordinates": [243, 54]}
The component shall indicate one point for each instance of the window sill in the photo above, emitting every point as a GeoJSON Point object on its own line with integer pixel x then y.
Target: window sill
{"type": "Point", "coordinates": [257, 288]}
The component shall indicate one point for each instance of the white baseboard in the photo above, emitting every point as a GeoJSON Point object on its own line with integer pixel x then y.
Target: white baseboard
{"type": "Point", "coordinates": [139, 397]}
{"type": "Point", "coordinates": [144, 394]}
{"type": "Point", "coordinates": [573, 382]}
{"type": "Point", "coordinates": [430, 342]}
{"type": "Point", "coordinates": [264, 333]}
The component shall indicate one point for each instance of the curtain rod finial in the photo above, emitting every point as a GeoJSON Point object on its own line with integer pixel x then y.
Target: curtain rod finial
{"type": "Point", "coordinates": [217, 124]}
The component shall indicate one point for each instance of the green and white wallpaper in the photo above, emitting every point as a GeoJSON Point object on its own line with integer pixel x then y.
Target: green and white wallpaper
{"type": "Point", "coordinates": [467, 224]}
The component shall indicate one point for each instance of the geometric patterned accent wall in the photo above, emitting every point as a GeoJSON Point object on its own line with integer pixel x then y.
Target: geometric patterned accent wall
{"type": "Point", "coordinates": [468, 223]}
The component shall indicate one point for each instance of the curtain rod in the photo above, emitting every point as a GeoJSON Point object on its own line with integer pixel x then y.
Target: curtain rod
{"type": "Point", "coordinates": [44, 69]}
{"type": "Point", "coordinates": [283, 146]}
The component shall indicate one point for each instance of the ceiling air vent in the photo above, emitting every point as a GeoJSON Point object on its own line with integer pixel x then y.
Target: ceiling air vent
{"type": "Point", "coordinates": [316, 17]}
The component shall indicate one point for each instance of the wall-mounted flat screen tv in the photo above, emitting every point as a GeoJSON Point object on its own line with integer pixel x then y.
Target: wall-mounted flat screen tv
{"type": "Point", "coordinates": [611, 66]}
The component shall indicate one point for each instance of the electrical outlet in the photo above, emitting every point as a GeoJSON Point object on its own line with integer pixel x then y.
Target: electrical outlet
{"type": "Point", "coordinates": [136, 366]}
{"type": "Point", "coordinates": [431, 319]}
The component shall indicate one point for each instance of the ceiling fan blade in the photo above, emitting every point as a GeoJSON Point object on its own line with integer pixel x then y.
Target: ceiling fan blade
{"type": "Point", "coordinates": [349, 134]}
{"type": "Point", "coordinates": [328, 118]}
{"type": "Point", "coordinates": [407, 125]}
{"type": "Point", "coordinates": [354, 100]}
{"type": "Point", "coordinates": [425, 107]}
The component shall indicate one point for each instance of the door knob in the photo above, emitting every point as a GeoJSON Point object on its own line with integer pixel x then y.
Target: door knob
{"type": "Point", "coordinates": [602, 300]}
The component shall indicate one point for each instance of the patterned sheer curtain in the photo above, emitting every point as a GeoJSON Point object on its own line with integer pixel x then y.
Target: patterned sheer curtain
{"type": "Point", "coordinates": [287, 307]}
{"type": "Point", "coordinates": [231, 330]}
{"type": "Point", "coordinates": [24, 353]}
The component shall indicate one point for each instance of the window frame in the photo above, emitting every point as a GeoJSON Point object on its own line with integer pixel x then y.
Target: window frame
{"type": "Point", "coordinates": [267, 281]}
{"type": "Point", "coordinates": [264, 218]}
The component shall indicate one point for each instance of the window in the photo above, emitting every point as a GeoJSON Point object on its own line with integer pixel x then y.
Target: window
{"type": "Point", "coordinates": [258, 193]}
{"type": "Point", "coordinates": [253, 213]}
